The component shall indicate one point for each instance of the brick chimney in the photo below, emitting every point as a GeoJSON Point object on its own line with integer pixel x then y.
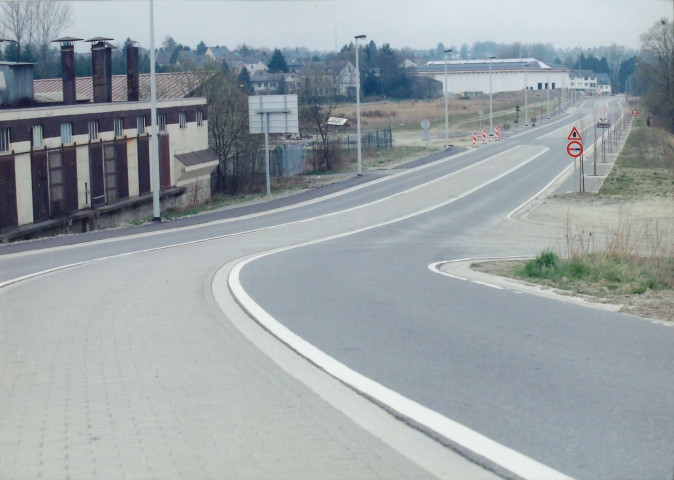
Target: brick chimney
{"type": "Point", "coordinates": [132, 75]}
{"type": "Point", "coordinates": [68, 68]}
{"type": "Point", "coordinates": [101, 62]}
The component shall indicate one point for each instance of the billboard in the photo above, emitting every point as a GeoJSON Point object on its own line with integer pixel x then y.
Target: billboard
{"type": "Point", "coordinates": [282, 111]}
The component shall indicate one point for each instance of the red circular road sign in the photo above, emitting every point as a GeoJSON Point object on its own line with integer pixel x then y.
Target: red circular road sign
{"type": "Point", "coordinates": [574, 148]}
{"type": "Point", "coordinates": [634, 113]}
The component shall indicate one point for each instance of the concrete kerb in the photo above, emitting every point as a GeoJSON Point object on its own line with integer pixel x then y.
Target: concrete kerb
{"type": "Point", "coordinates": [408, 440]}
{"type": "Point", "coordinates": [461, 269]}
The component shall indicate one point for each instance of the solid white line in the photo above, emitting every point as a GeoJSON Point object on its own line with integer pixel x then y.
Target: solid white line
{"type": "Point", "coordinates": [490, 285]}
{"type": "Point", "coordinates": [505, 457]}
{"type": "Point", "coordinates": [517, 209]}
{"type": "Point", "coordinates": [435, 268]}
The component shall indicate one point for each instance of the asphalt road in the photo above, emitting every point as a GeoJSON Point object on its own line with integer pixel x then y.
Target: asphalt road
{"type": "Point", "coordinates": [586, 393]}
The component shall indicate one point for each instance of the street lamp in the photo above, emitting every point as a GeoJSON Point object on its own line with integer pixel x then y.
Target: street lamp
{"type": "Point", "coordinates": [547, 87]}
{"type": "Point", "coordinates": [18, 47]}
{"type": "Point", "coordinates": [360, 164]}
{"type": "Point", "coordinates": [526, 107]}
{"type": "Point", "coordinates": [491, 113]}
{"type": "Point", "coordinates": [446, 108]}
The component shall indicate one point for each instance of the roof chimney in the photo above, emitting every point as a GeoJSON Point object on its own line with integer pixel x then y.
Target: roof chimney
{"type": "Point", "coordinates": [101, 62]}
{"type": "Point", "coordinates": [68, 68]}
{"type": "Point", "coordinates": [132, 76]}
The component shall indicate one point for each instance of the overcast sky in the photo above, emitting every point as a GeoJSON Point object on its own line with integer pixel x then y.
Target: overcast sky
{"type": "Point", "coordinates": [324, 25]}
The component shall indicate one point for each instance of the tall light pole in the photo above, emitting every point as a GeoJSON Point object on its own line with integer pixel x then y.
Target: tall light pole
{"type": "Point", "coordinates": [491, 112]}
{"type": "Point", "coordinates": [526, 108]}
{"type": "Point", "coordinates": [154, 141]}
{"type": "Point", "coordinates": [446, 107]}
{"type": "Point", "coordinates": [360, 164]}
{"type": "Point", "coordinates": [547, 87]}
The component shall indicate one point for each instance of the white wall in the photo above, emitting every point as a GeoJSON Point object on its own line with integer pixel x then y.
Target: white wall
{"type": "Point", "coordinates": [501, 81]}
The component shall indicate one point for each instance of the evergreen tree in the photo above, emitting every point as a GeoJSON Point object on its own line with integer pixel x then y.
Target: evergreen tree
{"type": "Point", "coordinates": [244, 81]}
{"type": "Point", "coordinates": [277, 62]}
{"type": "Point", "coordinates": [201, 48]}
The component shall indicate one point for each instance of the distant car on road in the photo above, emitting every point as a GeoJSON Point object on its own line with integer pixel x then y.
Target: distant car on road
{"type": "Point", "coordinates": [603, 123]}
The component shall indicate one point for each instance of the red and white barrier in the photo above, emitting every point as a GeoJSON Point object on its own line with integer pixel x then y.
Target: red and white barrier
{"type": "Point", "coordinates": [496, 133]}
{"type": "Point", "coordinates": [484, 136]}
{"type": "Point", "coordinates": [475, 139]}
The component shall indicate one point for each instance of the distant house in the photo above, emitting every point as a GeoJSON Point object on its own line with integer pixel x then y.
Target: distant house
{"type": "Point", "coordinates": [331, 78]}
{"type": "Point", "coordinates": [583, 80]}
{"type": "Point", "coordinates": [217, 54]}
{"type": "Point", "coordinates": [265, 83]}
{"type": "Point", "coordinates": [251, 64]}
{"type": "Point", "coordinates": [603, 84]}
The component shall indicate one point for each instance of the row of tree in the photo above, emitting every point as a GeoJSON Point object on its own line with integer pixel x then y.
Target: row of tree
{"type": "Point", "coordinates": [655, 71]}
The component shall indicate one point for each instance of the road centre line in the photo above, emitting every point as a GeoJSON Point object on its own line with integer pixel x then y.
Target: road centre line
{"type": "Point", "coordinates": [480, 445]}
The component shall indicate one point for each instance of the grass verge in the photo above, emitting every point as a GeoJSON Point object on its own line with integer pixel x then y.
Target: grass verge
{"type": "Point", "coordinates": [629, 266]}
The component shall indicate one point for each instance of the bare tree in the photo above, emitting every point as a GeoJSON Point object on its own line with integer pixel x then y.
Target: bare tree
{"type": "Point", "coordinates": [316, 107]}
{"type": "Point", "coordinates": [49, 20]}
{"type": "Point", "coordinates": [35, 23]}
{"type": "Point", "coordinates": [16, 21]}
{"type": "Point", "coordinates": [228, 126]}
{"type": "Point", "coordinates": [656, 70]}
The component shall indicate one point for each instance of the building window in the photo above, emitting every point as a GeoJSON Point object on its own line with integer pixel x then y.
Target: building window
{"type": "Point", "coordinates": [161, 120]}
{"type": "Point", "coordinates": [4, 139]}
{"type": "Point", "coordinates": [110, 172]}
{"type": "Point", "coordinates": [93, 129]}
{"type": "Point", "coordinates": [119, 127]}
{"type": "Point", "coordinates": [36, 131]}
{"type": "Point", "coordinates": [182, 119]}
{"type": "Point", "coordinates": [140, 124]}
{"type": "Point", "coordinates": [66, 132]}
{"type": "Point", "coordinates": [57, 188]}
{"type": "Point", "coordinates": [200, 118]}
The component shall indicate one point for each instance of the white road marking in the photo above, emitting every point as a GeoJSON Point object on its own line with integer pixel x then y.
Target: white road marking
{"type": "Point", "coordinates": [490, 285]}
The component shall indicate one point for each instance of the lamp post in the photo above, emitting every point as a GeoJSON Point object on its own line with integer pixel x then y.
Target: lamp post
{"type": "Point", "coordinates": [154, 141]}
{"type": "Point", "coordinates": [547, 88]}
{"type": "Point", "coordinates": [446, 107]}
{"type": "Point", "coordinates": [360, 164]}
{"type": "Point", "coordinates": [526, 106]}
{"type": "Point", "coordinates": [491, 112]}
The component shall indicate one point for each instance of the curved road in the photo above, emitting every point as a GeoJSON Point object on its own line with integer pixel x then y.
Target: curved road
{"type": "Point", "coordinates": [124, 365]}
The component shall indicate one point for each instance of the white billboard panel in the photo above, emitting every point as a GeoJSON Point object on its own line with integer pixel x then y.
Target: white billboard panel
{"type": "Point", "coordinates": [281, 109]}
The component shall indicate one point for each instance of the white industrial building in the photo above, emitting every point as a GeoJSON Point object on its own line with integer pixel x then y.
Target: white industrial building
{"type": "Point", "coordinates": [473, 77]}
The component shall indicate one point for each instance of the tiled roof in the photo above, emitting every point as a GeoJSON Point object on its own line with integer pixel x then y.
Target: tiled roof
{"type": "Point", "coordinates": [169, 85]}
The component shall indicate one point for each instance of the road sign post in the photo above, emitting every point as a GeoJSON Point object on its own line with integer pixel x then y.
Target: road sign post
{"type": "Point", "coordinates": [272, 114]}
{"type": "Point", "coordinates": [575, 150]}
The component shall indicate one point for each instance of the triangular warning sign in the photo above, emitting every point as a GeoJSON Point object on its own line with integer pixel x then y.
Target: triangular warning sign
{"type": "Point", "coordinates": [574, 135]}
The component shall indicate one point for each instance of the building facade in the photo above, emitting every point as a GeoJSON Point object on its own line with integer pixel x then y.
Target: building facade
{"type": "Point", "coordinates": [472, 77]}
{"type": "Point", "coordinates": [61, 161]}
{"type": "Point", "coordinates": [78, 166]}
